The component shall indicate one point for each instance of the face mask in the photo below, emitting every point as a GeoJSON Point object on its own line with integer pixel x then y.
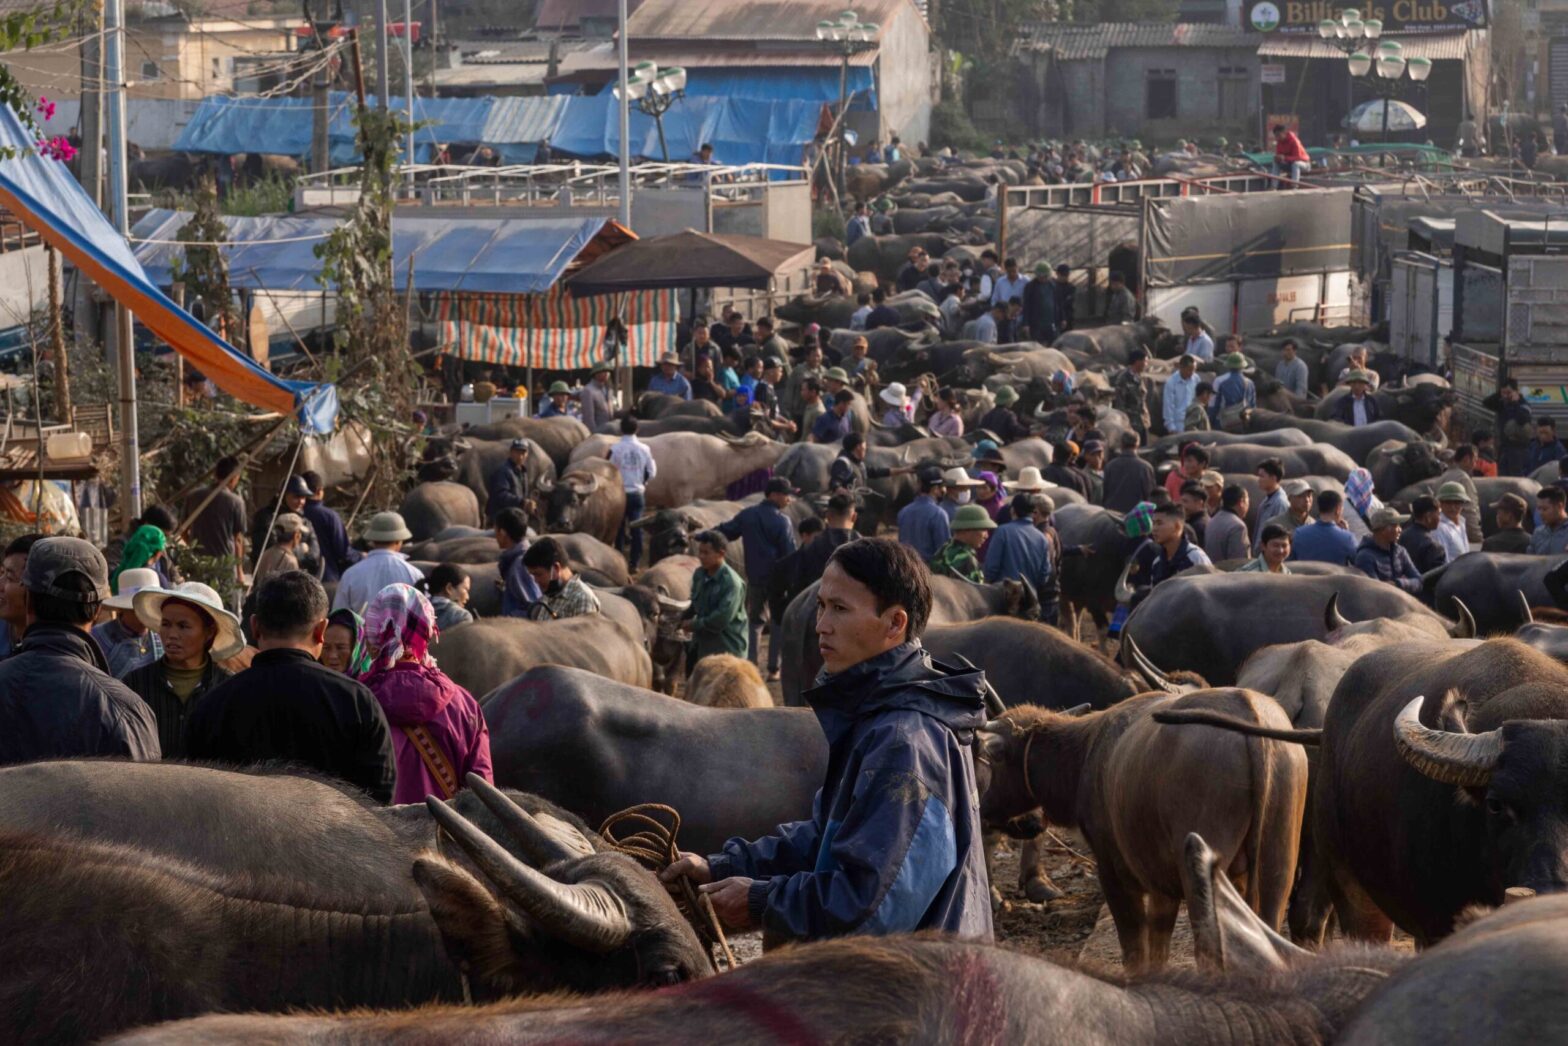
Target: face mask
{"type": "Point", "coordinates": [554, 587]}
{"type": "Point", "coordinates": [962, 497]}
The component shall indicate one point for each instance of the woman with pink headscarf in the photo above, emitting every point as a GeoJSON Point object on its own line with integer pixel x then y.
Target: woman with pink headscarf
{"type": "Point", "coordinates": [439, 735]}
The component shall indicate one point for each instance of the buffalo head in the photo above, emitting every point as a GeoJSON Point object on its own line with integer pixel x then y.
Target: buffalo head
{"type": "Point", "coordinates": [574, 920]}
{"type": "Point", "coordinates": [668, 534]}
{"type": "Point", "coordinates": [1512, 772]}
{"type": "Point", "coordinates": [1021, 600]}
{"type": "Point", "coordinates": [570, 494]}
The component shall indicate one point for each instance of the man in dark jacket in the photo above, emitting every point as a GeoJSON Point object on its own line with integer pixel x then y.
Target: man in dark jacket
{"type": "Point", "coordinates": [57, 699]}
{"type": "Point", "coordinates": [1360, 407]}
{"type": "Point", "coordinates": [1128, 478]}
{"type": "Point", "coordinates": [797, 571]}
{"type": "Point", "coordinates": [337, 555]}
{"type": "Point", "coordinates": [1513, 427]}
{"type": "Point", "coordinates": [1381, 557]}
{"type": "Point", "coordinates": [1419, 538]}
{"type": "Point", "coordinates": [1039, 297]}
{"type": "Point", "coordinates": [508, 484]}
{"type": "Point", "coordinates": [1002, 419]}
{"type": "Point", "coordinates": [1510, 534]}
{"type": "Point", "coordinates": [893, 843]}
{"type": "Point", "coordinates": [287, 707]}
{"type": "Point", "coordinates": [768, 538]}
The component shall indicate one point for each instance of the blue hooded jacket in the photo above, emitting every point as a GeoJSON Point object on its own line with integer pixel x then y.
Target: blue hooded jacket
{"type": "Point", "coordinates": [894, 843]}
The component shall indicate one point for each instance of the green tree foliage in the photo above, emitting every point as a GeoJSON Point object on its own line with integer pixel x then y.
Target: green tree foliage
{"type": "Point", "coordinates": [202, 267]}
{"type": "Point", "coordinates": [24, 29]}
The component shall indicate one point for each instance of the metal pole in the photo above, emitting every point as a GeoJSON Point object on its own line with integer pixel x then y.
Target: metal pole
{"type": "Point", "coordinates": [626, 126]}
{"type": "Point", "coordinates": [408, 73]}
{"type": "Point", "coordinates": [1382, 159]}
{"type": "Point", "coordinates": [383, 80]}
{"type": "Point", "coordinates": [843, 129]}
{"type": "Point", "coordinates": [114, 74]}
{"type": "Point", "coordinates": [658, 119]}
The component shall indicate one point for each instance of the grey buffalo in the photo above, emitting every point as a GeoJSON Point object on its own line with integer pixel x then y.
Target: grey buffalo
{"type": "Point", "coordinates": [431, 508]}
{"type": "Point", "coordinates": [588, 498]}
{"type": "Point", "coordinates": [488, 654]}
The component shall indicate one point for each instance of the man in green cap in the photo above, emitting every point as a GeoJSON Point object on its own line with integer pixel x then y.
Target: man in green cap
{"type": "Point", "coordinates": [1040, 306]}
{"type": "Point", "coordinates": [1002, 419]}
{"type": "Point", "coordinates": [1235, 389]}
{"type": "Point", "coordinates": [959, 556]}
{"type": "Point", "coordinates": [560, 398]}
{"type": "Point", "coordinates": [594, 400]}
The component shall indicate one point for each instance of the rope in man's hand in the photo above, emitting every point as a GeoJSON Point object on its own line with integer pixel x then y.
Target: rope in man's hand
{"type": "Point", "coordinates": [647, 834]}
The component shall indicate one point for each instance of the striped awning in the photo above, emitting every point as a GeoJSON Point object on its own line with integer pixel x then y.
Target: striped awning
{"type": "Point", "coordinates": [556, 330]}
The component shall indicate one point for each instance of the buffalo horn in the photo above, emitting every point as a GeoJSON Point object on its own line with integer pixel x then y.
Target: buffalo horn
{"type": "Point", "coordinates": [1147, 668]}
{"type": "Point", "coordinates": [538, 844]}
{"type": "Point", "coordinates": [1077, 710]}
{"type": "Point", "coordinates": [640, 522]}
{"type": "Point", "coordinates": [1466, 760]}
{"type": "Point", "coordinates": [1524, 604]}
{"type": "Point", "coordinates": [1333, 620]}
{"type": "Point", "coordinates": [1466, 629]}
{"type": "Point", "coordinates": [586, 915]}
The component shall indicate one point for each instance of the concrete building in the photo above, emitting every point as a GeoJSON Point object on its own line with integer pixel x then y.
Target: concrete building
{"type": "Point", "coordinates": [1146, 80]}
{"type": "Point", "coordinates": [768, 50]}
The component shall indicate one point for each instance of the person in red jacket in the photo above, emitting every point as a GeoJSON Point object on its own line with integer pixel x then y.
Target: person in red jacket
{"type": "Point", "coordinates": [1290, 156]}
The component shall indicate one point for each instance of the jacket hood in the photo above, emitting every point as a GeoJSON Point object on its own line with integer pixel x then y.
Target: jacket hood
{"type": "Point", "coordinates": [411, 693]}
{"type": "Point", "coordinates": [906, 678]}
{"type": "Point", "coordinates": [63, 640]}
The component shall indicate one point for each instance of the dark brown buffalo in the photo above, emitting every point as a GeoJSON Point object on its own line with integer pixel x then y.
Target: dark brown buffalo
{"type": "Point", "coordinates": [479, 459]}
{"type": "Point", "coordinates": [490, 653]}
{"type": "Point", "coordinates": [598, 746]}
{"type": "Point", "coordinates": [431, 508]}
{"type": "Point", "coordinates": [318, 903]}
{"type": "Point", "coordinates": [1137, 788]}
{"type": "Point", "coordinates": [557, 437]}
{"type": "Point", "coordinates": [588, 498]}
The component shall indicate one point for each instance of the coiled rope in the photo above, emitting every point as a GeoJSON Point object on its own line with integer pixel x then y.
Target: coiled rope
{"type": "Point", "coordinates": [647, 834]}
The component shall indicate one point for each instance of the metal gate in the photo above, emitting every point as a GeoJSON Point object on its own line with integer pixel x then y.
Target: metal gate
{"type": "Point", "coordinates": [1559, 72]}
{"type": "Point", "coordinates": [1421, 306]}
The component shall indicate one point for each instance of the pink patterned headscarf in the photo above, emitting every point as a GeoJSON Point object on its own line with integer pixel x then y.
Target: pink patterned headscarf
{"type": "Point", "coordinates": [399, 623]}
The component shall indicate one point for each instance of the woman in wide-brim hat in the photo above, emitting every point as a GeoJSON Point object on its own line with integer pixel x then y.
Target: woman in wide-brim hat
{"type": "Point", "coordinates": [196, 632]}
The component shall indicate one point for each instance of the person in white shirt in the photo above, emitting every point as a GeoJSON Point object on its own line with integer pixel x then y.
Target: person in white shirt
{"type": "Point", "coordinates": [635, 461]}
{"type": "Point", "coordinates": [1010, 286]}
{"type": "Point", "coordinates": [1451, 502]}
{"type": "Point", "coordinates": [383, 565]}
{"type": "Point", "coordinates": [1199, 344]}
{"type": "Point", "coordinates": [1180, 388]}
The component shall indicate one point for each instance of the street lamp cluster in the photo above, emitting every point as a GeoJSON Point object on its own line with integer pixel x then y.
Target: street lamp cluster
{"type": "Point", "coordinates": [1361, 41]}
{"type": "Point", "coordinates": [848, 29]}
{"type": "Point", "coordinates": [655, 90]}
{"type": "Point", "coordinates": [848, 35]}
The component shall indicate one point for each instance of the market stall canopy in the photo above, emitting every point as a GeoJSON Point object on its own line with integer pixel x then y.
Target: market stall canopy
{"type": "Point", "coordinates": [450, 254]}
{"type": "Point", "coordinates": [1367, 118]}
{"type": "Point", "coordinates": [44, 196]}
{"type": "Point", "coordinates": [692, 259]}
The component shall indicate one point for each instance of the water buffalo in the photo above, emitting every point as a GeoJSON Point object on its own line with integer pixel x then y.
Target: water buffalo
{"type": "Point", "coordinates": [477, 463]}
{"type": "Point", "coordinates": [555, 436]}
{"type": "Point", "coordinates": [1318, 459]}
{"type": "Point", "coordinates": [1168, 448]}
{"type": "Point", "coordinates": [1028, 663]}
{"type": "Point", "coordinates": [487, 654]}
{"type": "Point", "coordinates": [1114, 344]}
{"type": "Point", "coordinates": [157, 909]}
{"type": "Point", "coordinates": [727, 681]}
{"type": "Point", "coordinates": [479, 548]}
{"type": "Point", "coordinates": [588, 498]}
{"type": "Point", "coordinates": [656, 405]}
{"type": "Point", "coordinates": [1019, 362]}
{"type": "Point", "coordinates": [1489, 584]}
{"type": "Point", "coordinates": [599, 746]}
{"type": "Point", "coordinates": [1419, 406]}
{"type": "Point", "coordinates": [670, 581]}
{"type": "Point", "coordinates": [431, 508]}
{"type": "Point", "coordinates": [692, 465]}
{"type": "Point", "coordinates": [668, 532]}
{"type": "Point", "coordinates": [1396, 466]}
{"type": "Point", "coordinates": [1438, 786]}
{"type": "Point", "coordinates": [952, 602]}
{"type": "Point", "coordinates": [1357, 442]}
{"type": "Point", "coordinates": [886, 255]}
{"type": "Point", "coordinates": [1211, 623]}
{"type": "Point", "coordinates": [1137, 789]}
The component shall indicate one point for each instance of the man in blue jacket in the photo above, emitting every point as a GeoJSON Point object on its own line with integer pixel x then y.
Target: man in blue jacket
{"type": "Point", "coordinates": [893, 843]}
{"type": "Point", "coordinates": [1019, 550]}
{"type": "Point", "coordinates": [768, 537]}
{"type": "Point", "coordinates": [922, 525]}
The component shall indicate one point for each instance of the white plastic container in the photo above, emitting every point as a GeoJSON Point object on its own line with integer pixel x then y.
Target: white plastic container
{"type": "Point", "coordinates": [67, 446]}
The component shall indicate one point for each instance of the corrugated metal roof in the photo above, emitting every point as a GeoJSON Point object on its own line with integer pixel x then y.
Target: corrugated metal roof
{"type": "Point", "coordinates": [556, 15]}
{"type": "Point", "coordinates": [747, 20]}
{"type": "Point", "coordinates": [507, 52]}
{"type": "Point", "coordinates": [524, 120]}
{"type": "Point", "coordinates": [1072, 42]}
{"type": "Point", "coordinates": [1436, 46]}
{"type": "Point", "coordinates": [601, 60]}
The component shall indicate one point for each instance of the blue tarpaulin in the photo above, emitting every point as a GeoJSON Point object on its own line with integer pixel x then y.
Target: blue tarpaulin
{"type": "Point", "coordinates": [44, 196]}
{"type": "Point", "coordinates": [469, 255]}
{"type": "Point", "coordinates": [741, 130]}
{"type": "Point", "coordinates": [767, 84]}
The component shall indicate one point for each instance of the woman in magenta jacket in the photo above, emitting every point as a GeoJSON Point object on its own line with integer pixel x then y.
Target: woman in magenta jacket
{"type": "Point", "coordinates": [439, 735]}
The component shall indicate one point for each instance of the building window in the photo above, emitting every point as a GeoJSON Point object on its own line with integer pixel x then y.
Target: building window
{"type": "Point", "coordinates": [149, 70]}
{"type": "Point", "coordinates": [1234, 83]}
{"type": "Point", "coordinates": [1160, 94]}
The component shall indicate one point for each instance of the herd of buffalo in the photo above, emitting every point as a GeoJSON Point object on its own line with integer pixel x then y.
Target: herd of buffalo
{"type": "Point", "coordinates": [1280, 754]}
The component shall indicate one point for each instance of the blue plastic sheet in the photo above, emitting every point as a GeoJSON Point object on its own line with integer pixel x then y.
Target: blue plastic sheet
{"type": "Point", "coordinates": [43, 195]}
{"type": "Point", "coordinates": [767, 84]}
{"type": "Point", "coordinates": [472, 255]}
{"type": "Point", "coordinates": [741, 130]}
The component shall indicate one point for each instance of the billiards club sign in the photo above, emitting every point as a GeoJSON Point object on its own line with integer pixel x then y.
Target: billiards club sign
{"type": "Point", "coordinates": [1397, 16]}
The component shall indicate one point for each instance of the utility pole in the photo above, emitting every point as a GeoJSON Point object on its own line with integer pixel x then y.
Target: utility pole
{"type": "Point", "coordinates": [125, 347]}
{"type": "Point", "coordinates": [90, 127]}
{"type": "Point", "coordinates": [320, 151]}
{"type": "Point", "coordinates": [626, 121]}
{"type": "Point", "coordinates": [383, 79]}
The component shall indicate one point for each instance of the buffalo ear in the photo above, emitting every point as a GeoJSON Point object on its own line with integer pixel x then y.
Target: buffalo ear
{"type": "Point", "coordinates": [1226, 934]}
{"type": "Point", "coordinates": [480, 933]}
